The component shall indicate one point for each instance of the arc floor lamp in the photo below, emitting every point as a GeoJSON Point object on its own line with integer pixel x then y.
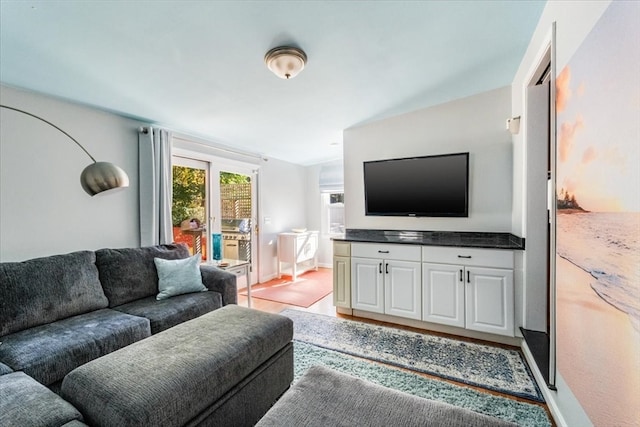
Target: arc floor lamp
{"type": "Point", "coordinates": [96, 178]}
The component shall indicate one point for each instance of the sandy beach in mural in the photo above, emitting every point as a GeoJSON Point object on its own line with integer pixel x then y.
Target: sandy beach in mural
{"type": "Point", "coordinates": [601, 350]}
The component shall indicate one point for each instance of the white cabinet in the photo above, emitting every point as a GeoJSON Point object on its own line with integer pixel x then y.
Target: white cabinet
{"type": "Point", "coordinates": [402, 289]}
{"type": "Point", "coordinates": [443, 294]}
{"type": "Point", "coordinates": [297, 248]}
{"type": "Point", "coordinates": [468, 288]}
{"type": "Point", "coordinates": [470, 293]}
{"type": "Point", "coordinates": [386, 279]}
{"type": "Point", "coordinates": [489, 300]}
{"type": "Point", "coordinates": [342, 274]}
{"type": "Point", "coordinates": [367, 292]}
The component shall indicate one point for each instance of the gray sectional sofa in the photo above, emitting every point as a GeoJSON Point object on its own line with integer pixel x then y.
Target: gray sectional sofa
{"type": "Point", "coordinates": [61, 312]}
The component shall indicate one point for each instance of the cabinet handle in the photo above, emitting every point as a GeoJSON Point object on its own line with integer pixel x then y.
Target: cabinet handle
{"type": "Point", "coordinates": [386, 268]}
{"type": "Point", "coordinates": [468, 277]}
{"type": "Point", "coordinates": [464, 256]}
{"type": "Point", "coordinates": [383, 252]}
{"type": "Point", "coordinates": [461, 279]}
{"type": "Point", "coordinates": [380, 268]}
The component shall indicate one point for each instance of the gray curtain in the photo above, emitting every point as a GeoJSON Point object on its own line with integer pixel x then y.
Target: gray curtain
{"type": "Point", "coordinates": [154, 148]}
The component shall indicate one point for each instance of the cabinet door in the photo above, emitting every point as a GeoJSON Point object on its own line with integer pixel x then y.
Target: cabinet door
{"type": "Point", "coordinates": [402, 289]}
{"type": "Point", "coordinates": [489, 300]}
{"type": "Point", "coordinates": [306, 247]}
{"type": "Point", "coordinates": [366, 284]}
{"type": "Point", "coordinates": [342, 281]}
{"type": "Point", "coordinates": [443, 294]}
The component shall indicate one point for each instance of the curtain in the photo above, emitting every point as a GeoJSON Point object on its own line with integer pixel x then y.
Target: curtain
{"type": "Point", "coordinates": [154, 157]}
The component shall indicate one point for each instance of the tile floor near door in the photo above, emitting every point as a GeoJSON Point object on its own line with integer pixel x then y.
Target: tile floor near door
{"type": "Point", "coordinates": [325, 306]}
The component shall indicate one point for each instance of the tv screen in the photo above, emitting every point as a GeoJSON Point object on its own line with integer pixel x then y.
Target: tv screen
{"type": "Point", "coordinates": [436, 186]}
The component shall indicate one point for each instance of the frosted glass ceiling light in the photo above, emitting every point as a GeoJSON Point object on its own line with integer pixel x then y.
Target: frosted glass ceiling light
{"type": "Point", "coordinates": [285, 62]}
{"type": "Point", "coordinates": [96, 178]}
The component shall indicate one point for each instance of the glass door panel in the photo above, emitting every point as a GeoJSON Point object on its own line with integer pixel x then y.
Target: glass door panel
{"type": "Point", "coordinates": [190, 205]}
{"type": "Point", "coordinates": [236, 210]}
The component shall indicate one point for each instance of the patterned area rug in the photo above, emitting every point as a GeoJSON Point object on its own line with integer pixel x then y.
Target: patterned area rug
{"type": "Point", "coordinates": [521, 413]}
{"type": "Point", "coordinates": [486, 366]}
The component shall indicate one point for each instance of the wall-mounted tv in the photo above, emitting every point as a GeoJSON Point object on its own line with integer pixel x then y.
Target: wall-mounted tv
{"type": "Point", "coordinates": [429, 186]}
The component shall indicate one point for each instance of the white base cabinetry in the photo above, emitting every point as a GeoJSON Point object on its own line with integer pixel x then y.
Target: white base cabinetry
{"type": "Point", "coordinates": [342, 274]}
{"type": "Point", "coordinates": [386, 279]}
{"type": "Point", "coordinates": [470, 288]}
{"type": "Point", "coordinates": [466, 288]}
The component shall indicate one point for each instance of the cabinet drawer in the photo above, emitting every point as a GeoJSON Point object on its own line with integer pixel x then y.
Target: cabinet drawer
{"type": "Point", "coordinates": [341, 249]}
{"type": "Point", "coordinates": [468, 256]}
{"type": "Point", "coordinates": [386, 251]}
{"type": "Point", "coordinates": [238, 271]}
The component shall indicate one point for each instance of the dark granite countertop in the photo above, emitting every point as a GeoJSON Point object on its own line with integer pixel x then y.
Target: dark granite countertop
{"type": "Point", "coordinates": [464, 239]}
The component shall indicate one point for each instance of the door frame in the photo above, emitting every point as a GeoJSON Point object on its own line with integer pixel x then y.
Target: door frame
{"type": "Point", "coordinates": [216, 164]}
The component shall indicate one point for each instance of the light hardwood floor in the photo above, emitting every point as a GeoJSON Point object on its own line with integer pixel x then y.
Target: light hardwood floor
{"type": "Point", "coordinates": [325, 306]}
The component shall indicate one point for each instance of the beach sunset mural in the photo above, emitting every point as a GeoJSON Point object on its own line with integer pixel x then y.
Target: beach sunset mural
{"type": "Point", "coordinates": [598, 219]}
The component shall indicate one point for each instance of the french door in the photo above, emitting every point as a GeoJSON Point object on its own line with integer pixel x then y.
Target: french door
{"type": "Point", "coordinates": [215, 197]}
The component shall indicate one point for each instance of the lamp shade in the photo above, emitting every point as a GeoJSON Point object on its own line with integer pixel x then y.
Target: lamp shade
{"type": "Point", "coordinates": [285, 62]}
{"type": "Point", "coordinates": [99, 177]}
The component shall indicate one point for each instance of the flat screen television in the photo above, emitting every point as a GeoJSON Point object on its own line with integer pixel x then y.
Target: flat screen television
{"type": "Point", "coordinates": [428, 186]}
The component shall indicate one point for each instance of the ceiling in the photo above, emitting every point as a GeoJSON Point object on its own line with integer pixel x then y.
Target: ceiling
{"type": "Point", "coordinates": [197, 67]}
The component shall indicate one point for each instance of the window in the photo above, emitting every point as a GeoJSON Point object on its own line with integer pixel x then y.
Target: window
{"type": "Point", "coordinates": [333, 213]}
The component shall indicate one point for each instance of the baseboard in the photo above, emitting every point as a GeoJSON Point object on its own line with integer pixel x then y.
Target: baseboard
{"type": "Point", "coordinates": [564, 407]}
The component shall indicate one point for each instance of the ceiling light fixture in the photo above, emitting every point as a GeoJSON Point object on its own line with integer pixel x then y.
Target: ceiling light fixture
{"type": "Point", "coordinates": [285, 61]}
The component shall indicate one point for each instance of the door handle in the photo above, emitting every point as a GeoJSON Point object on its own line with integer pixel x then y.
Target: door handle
{"type": "Point", "coordinates": [468, 277]}
{"type": "Point", "coordinates": [464, 256]}
{"type": "Point", "coordinates": [386, 268]}
{"type": "Point", "coordinates": [380, 268]}
{"type": "Point", "coordinates": [461, 279]}
{"type": "Point", "coordinates": [383, 252]}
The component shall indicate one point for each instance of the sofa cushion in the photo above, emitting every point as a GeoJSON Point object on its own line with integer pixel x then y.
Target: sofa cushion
{"type": "Point", "coordinates": [167, 313]}
{"type": "Point", "coordinates": [47, 353]}
{"type": "Point", "coordinates": [130, 274]}
{"type": "Point", "coordinates": [4, 369]}
{"type": "Point", "coordinates": [43, 290]}
{"type": "Point", "coordinates": [178, 276]}
{"type": "Point", "coordinates": [25, 402]}
{"type": "Point", "coordinates": [325, 397]}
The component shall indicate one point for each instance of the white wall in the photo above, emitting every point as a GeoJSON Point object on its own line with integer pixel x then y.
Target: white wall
{"type": "Point", "coordinates": [43, 209]}
{"type": "Point", "coordinates": [315, 214]}
{"type": "Point", "coordinates": [475, 124]}
{"type": "Point", "coordinates": [281, 188]}
{"type": "Point", "coordinates": [574, 20]}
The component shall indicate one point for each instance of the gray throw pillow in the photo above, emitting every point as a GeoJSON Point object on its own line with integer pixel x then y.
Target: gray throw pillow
{"type": "Point", "coordinates": [178, 276]}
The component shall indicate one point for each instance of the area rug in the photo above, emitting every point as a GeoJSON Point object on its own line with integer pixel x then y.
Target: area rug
{"type": "Point", "coordinates": [308, 288]}
{"type": "Point", "coordinates": [491, 367]}
{"type": "Point", "coordinates": [521, 413]}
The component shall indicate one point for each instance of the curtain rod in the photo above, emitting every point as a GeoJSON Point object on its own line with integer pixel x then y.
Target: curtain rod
{"type": "Point", "coordinates": [145, 130]}
{"type": "Point", "coordinates": [226, 150]}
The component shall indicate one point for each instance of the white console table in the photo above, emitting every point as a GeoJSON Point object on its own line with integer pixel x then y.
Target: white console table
{"type": "Point", "coordinates": [297, 248]}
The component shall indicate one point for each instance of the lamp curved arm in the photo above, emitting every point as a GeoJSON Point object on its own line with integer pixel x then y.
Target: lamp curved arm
{"type": "Point", "coordinates": [51, 124]}
{"type": "Point", "coordinates": [98, 177]}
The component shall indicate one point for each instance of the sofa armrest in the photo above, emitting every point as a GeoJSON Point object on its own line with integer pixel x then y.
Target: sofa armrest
{"type": "Point", "coordinates": [220, 281]}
